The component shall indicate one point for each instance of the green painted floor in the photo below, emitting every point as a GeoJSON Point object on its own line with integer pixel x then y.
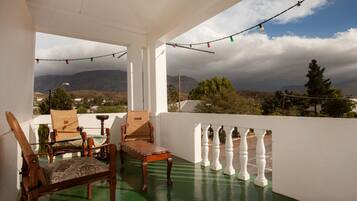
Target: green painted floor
{"type": "Point", "coordinates": [190, 182]}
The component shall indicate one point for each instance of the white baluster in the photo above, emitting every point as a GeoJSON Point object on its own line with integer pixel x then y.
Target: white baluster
{"type": "Point", "coordinates": [205, 148]}
{"type": "Point", "coordinates": [216, 165]}
{"type": "Point", "coordinates": [243, 155]}
{"type": "Point", "coordinates": [229, 170]}
{"type": "Point", "coordinates": [260, 180]}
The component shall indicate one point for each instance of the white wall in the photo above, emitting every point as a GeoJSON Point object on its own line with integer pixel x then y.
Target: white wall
{"type": "Point", "coordinates": [313, 158]}
{"type": "Point", "coordinates": [17, 46]}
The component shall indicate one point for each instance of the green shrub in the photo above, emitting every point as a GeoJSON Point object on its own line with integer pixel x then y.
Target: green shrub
{"type": "Point", "coordinates": [43, 133]}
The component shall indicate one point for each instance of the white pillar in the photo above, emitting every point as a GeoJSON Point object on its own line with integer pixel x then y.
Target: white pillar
{"type": "Point", "coordinates": [205, 147]}
{"type": "Point", "coordinates": [216, 165]}
{"type": "Point", "coordinates": [157, 78]}
{"type": "Point", "coordinates": [243, 155]}
{"type": "Point", "coordinates": [154, 84]}
{"type": "Point", "coordinates": [260, 180]}
{"type": "Point", "coordinates": [229, 170]}
{"type": "Point", "coordinates": [135, 77]}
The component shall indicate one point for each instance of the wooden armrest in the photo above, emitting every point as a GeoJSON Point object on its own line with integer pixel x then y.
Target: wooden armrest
{"type": "Point", "coordinates": [102, 146]}
{"type": "Point", "coordinates": [80, 128]}
{"type": "Point", "coordinates": [123, 126]}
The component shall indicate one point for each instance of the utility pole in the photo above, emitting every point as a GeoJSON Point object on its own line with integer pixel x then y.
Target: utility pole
{"type": "Point", "coordinates": [49, 100]}
{"type": "Point", "coordinates": [179, 92]}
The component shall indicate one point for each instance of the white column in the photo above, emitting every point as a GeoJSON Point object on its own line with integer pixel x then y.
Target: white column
{"type": "Point", "coordinates": [146, 79]}
{"type": "Point", "coordinates": [216, 165]}
{"type": "Point", "coordinates": [260, 180]}
{"type": "Point", "coordinates": [155, 84]}
{"type": "Point", "coordinates": [205, 147]}
{"type": "Point", "coordinates": [135, 77]}
{"type": "Point", "coordinates": [157, 78]}
{"type": "Point", "coordinates": [243, 155]}
{"type": "Point", "coordinates": [229, 170]}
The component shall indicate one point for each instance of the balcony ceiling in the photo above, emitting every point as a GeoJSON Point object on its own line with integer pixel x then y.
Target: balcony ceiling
{"type": "Point", "coordinates": [145, 19]}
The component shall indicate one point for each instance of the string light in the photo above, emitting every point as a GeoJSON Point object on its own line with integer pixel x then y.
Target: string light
{"type": "Point", "coordinates": [231, 38]}
{"type": "Point", "coordinates": [122, 53]}
{"type": "Point", "coordinates": [259, 25]}
{"type": "Point", "coordinates": [261, 28]}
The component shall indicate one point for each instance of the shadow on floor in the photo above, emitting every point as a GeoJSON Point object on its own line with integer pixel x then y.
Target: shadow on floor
{"type": "Point", "coordinates": [190, 182]}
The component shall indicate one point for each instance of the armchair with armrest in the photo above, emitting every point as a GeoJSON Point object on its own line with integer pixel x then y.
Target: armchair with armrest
{"type": "Point", "coordinates": [38, 180]}
{"type": "Point", "coordinates": [67, 130]}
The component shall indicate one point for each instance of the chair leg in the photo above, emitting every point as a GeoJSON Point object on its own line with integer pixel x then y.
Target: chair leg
{"type": "Point", "coordinates": [112, 188]}
{"type": "Point", "coordinates": [31, 197]}
{"type": "Point", "coordinates": [50, 157]}
{"type": "Point", "coordinates": [169, 166]}
{"type": "Point", "coordinates": [89, 191]}
{"type": "Point", "coordinates": [144, 170]}
{"type": "Point", "coordinates": [122, 155]}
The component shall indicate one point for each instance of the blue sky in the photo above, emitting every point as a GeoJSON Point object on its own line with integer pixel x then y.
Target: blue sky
{"type": "Point", "coordinates": [261, 61]}
{"type": "Point", "coordinates": [336, 16]}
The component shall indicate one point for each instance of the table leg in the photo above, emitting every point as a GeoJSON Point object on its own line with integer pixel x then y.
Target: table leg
{"type": "Point", "coordinates": [169, 166]}
{"type": "Point", "coordinates": [144, 170]}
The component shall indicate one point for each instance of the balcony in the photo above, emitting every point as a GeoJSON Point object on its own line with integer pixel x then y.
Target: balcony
{"type": "Point", "coordinates": [303, 158]}
{"type": "Point", "coordinates": [300, 153]}
{"type": "Point", "coordinates": [192, 181]}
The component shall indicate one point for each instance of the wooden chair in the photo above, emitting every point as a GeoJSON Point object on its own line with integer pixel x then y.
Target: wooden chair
{"type": "Point", "coordinates": [38, 180]}
{"type": "Point", "coordinates": [137, 140]}
{"type": "Point", "coordinates": [66, 129]}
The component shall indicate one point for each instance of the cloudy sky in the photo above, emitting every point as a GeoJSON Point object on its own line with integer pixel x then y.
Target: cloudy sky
{"type": "Point", "coordinates": [325, 30]}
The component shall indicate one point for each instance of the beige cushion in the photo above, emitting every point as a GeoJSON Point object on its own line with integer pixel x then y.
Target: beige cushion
{"type": "Point", "coordinates": [66, 124]}
{"type": "Point", "coordinates": [142, 148]}
{"type": "Point", "coordinates": [73, 168]}
{"type": "Point", "coordinates": [138, 128]}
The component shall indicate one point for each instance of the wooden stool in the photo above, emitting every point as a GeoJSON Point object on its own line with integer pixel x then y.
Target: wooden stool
{"type": "Point", "coordinates": [147, 153]}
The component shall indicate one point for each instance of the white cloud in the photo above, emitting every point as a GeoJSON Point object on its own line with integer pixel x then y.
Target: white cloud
{"type": "Point", "coordinates": [256, 61]}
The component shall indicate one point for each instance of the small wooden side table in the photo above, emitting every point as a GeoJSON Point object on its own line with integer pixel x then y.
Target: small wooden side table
{"type": "Point", "coordinates": [147, 153]}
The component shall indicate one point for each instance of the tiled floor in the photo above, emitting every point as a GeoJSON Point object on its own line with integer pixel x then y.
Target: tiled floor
{"type": "Point", "coordinates": [191, 182]}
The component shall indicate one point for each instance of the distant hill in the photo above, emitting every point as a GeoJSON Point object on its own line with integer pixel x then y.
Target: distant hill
{"type": "Point", "coordinates": [100, 80]}
{"type": "Point", "coordinates": [348, 87]}
{"type": "Point", "coordinates": [295, 88]}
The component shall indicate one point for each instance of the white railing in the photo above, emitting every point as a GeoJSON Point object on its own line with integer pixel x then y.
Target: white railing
{"type": "Point", "coordinates": [308, 153]}
{"type": "Point", "coordinates": [215, 163]}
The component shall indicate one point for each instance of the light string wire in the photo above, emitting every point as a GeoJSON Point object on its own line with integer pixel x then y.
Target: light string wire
{"type": "Point", "coordinates": [259, 25]}
{"type": "Point", "coordinates": [120, 53]}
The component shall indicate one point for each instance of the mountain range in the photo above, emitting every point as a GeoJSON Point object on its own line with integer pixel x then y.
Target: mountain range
{"type": "Point", "coordinates": [101, 80]}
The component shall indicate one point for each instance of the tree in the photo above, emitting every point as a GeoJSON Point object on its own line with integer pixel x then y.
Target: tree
{"type": "Point", "coordinates": [215, 85]}
{"type": "Point", "coordinates": [317, 85]}
{"type": "Point", "coordinates": [218, 95]}
{"type": "Point", "coordinates": [60, 100]}
{"type": "Point", "coordinates": [284, 103]}
{"type": "Point", "coordinates": [337, 105]}
{"type": "Point", "coordinates": [172, 98]}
